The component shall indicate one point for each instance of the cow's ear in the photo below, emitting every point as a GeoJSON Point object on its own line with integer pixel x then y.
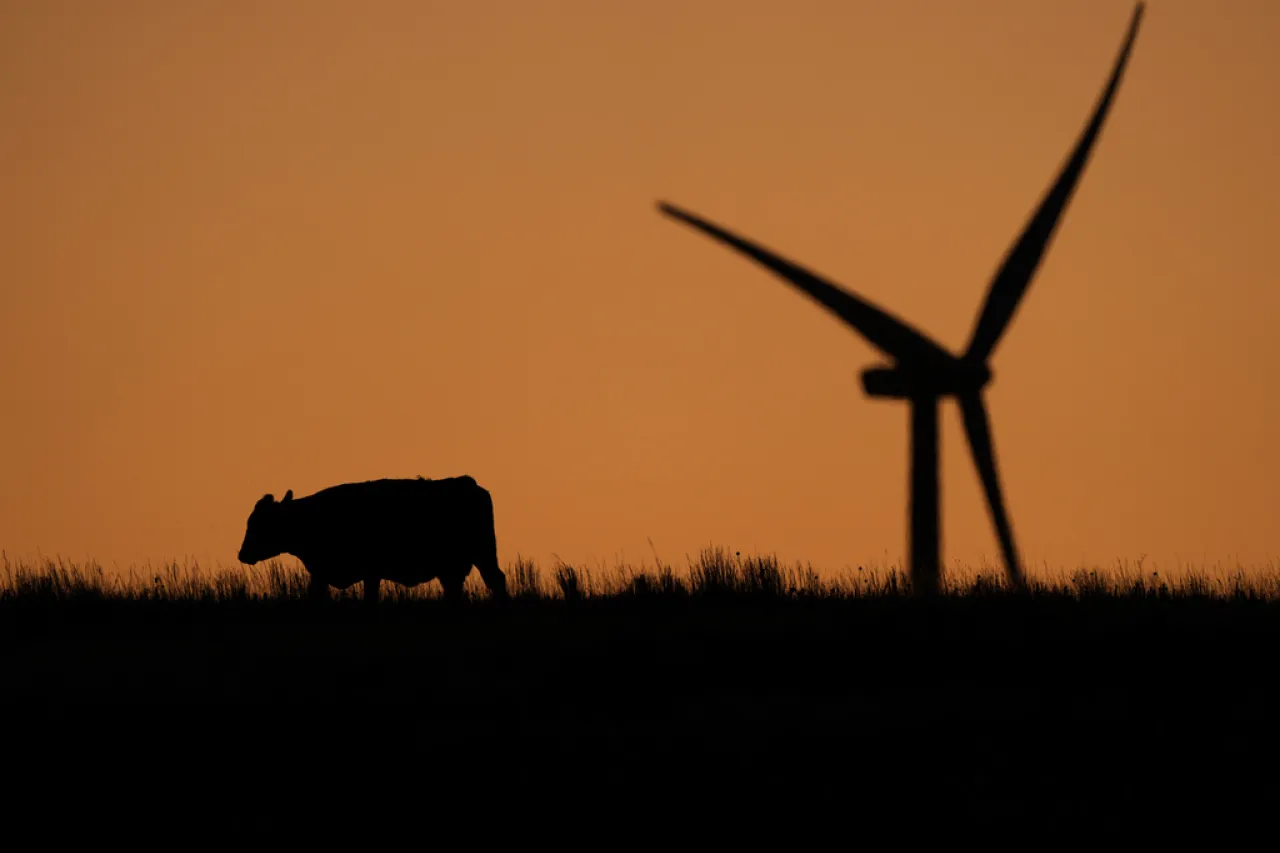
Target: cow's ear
{"type": "Point", "coordinates": [288, 496]}
{"type": "Point", "coordinates": [267, 499]}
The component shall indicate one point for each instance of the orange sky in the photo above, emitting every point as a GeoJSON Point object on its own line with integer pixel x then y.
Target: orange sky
{"type": "Point", "coordinates": [252, 246]}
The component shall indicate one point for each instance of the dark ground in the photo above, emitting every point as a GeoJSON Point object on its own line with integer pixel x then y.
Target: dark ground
{"type": "Point", "coordinates": [973, 712]}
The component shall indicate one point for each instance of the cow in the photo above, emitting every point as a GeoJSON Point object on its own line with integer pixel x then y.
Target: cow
{"type": "Point", "coordinates": [406, 531]}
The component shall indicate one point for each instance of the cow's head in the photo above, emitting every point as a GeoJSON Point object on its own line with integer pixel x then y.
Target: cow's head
{"type": "Point", "coordinates": [264, 537]}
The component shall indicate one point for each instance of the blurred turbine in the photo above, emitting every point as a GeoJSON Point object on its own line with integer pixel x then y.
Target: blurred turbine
{"type": "Point", "coordinates": [923, 371]}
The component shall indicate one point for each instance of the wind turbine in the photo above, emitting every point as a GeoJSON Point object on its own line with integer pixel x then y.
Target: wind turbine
{"type": "Point", "coordinates": [923, 371]}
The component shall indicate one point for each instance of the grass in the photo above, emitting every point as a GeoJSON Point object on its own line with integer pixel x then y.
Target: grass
{"type": "Point", "coordinates": [715, 574]}
{"type": "Point", "coordinates": [737, 680]}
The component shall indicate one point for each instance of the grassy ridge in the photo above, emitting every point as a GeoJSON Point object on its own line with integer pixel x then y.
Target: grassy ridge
{"type": "Point", "coordinates": [714, 573]}
{"type": "Point", "coordinates": [739, 681]}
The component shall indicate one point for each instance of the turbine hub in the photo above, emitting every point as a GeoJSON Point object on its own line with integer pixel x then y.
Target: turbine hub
{"type": "Point", "coordinates": [900, 383]}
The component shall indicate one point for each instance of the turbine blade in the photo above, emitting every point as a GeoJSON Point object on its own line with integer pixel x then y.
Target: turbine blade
{"type": "Point", "coordinates": [1015, 274]}
{"type": "Point", "coordinates": [978, 431]}
{"type": "Point", "coordinates": [883, 330]}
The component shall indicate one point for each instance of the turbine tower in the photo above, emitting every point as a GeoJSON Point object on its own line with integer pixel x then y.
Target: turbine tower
{"type": "Point", "coordinates": [923, 371]}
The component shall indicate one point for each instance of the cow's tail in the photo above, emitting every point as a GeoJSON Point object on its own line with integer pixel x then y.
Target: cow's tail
{"type": "Point", "coordinates": [486, 545]}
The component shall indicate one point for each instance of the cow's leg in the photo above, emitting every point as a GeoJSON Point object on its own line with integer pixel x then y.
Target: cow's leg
{"type": "Point", "coordinates": [452, 587]}
{"type": "Point", "coordinates": [319, 590]}
{"type": "Point", "coordinates": [494, 579]}
{"type": "Point", "coordinates": [371, 589]}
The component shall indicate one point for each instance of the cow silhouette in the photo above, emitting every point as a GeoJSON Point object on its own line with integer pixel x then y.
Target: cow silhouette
{"type": "Point", "coordinates": [406, 531]}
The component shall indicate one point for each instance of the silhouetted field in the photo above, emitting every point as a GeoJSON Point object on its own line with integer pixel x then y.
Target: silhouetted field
{"type": "Point", "coordinates": [1100, 697]}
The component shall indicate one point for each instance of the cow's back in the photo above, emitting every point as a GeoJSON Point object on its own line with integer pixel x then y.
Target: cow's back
{"type": "Point", "coordinates": [409, 529]}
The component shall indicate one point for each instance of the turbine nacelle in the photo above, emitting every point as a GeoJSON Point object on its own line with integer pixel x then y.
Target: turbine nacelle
{"type": "Point", "coordinates": [902, 383]}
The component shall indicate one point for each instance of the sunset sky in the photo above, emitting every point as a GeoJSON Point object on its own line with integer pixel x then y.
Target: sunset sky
{"type": "Point", "coordinates": [251, 246]}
